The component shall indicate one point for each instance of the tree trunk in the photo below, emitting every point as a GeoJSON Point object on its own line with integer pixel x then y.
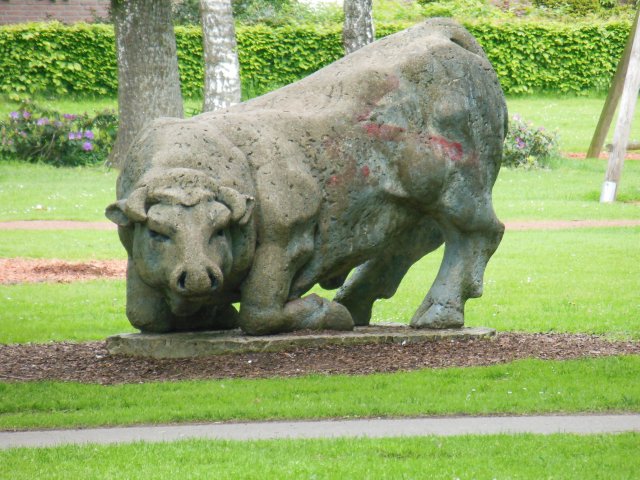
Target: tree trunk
{"type": "Point", "coordinates": [358, 25]}
{"type": "Point", "coordinates": [222, 70]}
{"type": "Point", "coordinates": [148, 77]}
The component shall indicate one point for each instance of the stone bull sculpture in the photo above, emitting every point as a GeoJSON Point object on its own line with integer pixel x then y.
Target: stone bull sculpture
{"type": "Point", "coordinates": [368, 164]}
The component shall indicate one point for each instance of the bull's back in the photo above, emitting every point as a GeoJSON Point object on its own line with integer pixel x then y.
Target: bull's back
{"type": "Point", "coordinates": [364, 76]}
{"type": "Point", "coordinates": [430, 87]}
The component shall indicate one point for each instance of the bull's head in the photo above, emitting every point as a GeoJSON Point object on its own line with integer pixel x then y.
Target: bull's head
{"type": "Point", "coordinates": [182, 225]}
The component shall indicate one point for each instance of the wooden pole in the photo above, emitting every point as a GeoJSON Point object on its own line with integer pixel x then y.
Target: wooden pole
{"type": "Point", "coordinates": [613, 97]}
{"type": "Point", "coordinates": [623, 125]}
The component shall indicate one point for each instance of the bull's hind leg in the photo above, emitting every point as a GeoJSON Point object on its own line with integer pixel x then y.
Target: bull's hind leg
{"type": "Point", "coordinates": [380, 277]}
{"type": "Point", "coordinates": [472, 233]}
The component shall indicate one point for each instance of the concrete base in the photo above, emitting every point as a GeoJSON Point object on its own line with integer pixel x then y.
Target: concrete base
{"type": "Point", "coordinates": [186, 345]}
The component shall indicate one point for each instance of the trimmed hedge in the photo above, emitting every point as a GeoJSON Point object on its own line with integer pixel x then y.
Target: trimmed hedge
{"type": "Point", "coordinates": [80, 59]}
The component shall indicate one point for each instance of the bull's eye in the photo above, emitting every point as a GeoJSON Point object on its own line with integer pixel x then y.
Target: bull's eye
{"type": "Point", "coordinates": [217, 235]}
{"type": "Point", "coordinates": [157, 236]}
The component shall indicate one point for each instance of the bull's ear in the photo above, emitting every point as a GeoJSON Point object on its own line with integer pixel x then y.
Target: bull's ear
{"type": "Point", "coordinates": [115, 213]}
{"type": "Point", "coordinates": [241, 205]}
{"type": "Point", "coordinates": [135, 206]}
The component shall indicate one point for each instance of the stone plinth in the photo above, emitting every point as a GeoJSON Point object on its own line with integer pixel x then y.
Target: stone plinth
{"type": "Point", "coordinates": [186, 345]}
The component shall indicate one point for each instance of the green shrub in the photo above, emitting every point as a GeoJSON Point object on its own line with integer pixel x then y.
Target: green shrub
{"type": "Point", "coordinates": [536, 57]}
{"type": "Point", "coordinates": [528, 57]}
{"type": "Point", "coordinates": [36, 135]}
{"type": "Point", "coordinates": [528, 147]}
{"type": "Point", "coordinates": [58, 59]}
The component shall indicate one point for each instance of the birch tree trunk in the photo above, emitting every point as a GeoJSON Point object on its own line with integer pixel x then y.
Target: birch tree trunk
{"type": "Point", "coordinates": [148, 77]}
{"type": "Point", "coordinates": [358, 25]}
{"type": "Point", "coordinates": [221, 67]}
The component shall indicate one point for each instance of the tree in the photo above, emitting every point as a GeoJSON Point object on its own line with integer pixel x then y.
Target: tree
{"type": "Point", "coordinates": [148, 77]}
{"type": "Point", "coordinates": [222, 70]}
{"type": "Point", "coordinates": [358, 28]}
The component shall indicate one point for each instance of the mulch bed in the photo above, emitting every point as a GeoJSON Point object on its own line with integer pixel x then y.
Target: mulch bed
{"type": "Point", "coordinates": [91, 362]}
{"type": "Point", "coordinates": [25, 270]}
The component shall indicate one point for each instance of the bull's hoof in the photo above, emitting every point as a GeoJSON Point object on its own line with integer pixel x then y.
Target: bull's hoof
{"type": "Point", "coordinates": [438, 317]}
{"type": "Point", "coordinates": [360, 311]}
{"type": "Point", "coordinates": [316, 313]}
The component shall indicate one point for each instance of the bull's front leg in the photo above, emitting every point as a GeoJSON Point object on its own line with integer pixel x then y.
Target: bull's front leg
{"type": "Point", "coordinates": [460, 276]}
{"type": "Point", "coordinates": [147, 309]}
{"type": "Point", "coordinates": [381, 276]}
{"type": "Point", "coordinates": [265, 307]}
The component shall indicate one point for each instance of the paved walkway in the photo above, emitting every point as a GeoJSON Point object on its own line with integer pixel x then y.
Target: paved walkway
{"type": "Point", "coordinates": [370, 428]}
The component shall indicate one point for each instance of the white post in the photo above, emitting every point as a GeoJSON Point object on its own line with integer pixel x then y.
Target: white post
{"type": "Point", "coordinates": [623, 125]}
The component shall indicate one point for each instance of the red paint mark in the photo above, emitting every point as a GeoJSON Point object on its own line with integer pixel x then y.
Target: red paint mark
{"type": "Point", "coordinates": [333, 181]}
{"type": "Point", "coordinates": [365, 171]}
{"type": "Point", "coordinates": [365, 115]}
{"type": "Point", "coordinates": [383, 132]}
{"type": "Point", "coordinates": [452, 149]}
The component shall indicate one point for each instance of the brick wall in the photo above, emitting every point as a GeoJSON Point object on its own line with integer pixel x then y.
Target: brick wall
{"type": "Point", "coordinates": [66, 11]}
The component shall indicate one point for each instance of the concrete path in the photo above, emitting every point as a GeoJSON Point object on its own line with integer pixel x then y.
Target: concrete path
{"type": "Point", "coordinates": [370, 428]}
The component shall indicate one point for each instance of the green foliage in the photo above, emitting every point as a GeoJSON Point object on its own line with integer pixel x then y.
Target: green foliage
{"type": "Point", "coordinates": [58, 59]}
{"type": "Point", "coordinates": [528, 147]}
{"type": "Point", "coordinates": [464, 9]}
{"type": "Point", "coordinates": [528, 56]}
{"type": "Point", "coordinates": [574, 7]}
{"type": "Point", "coordinates": [186, 12]}
{"type": "Point", "coordinates": [286, 12]}
{"type": "Point", "coordinates": [392, 11]}
{"type": "Point", "coordinates": [34, 134]}
{"type": "Point", "coordinates": [278, 56]}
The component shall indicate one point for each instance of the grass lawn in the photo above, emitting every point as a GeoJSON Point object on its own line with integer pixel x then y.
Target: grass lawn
{"type": "Point", "coordinates": [497, 456]}
{"type": "Point", "coordinates": [42, 192]}
{"type": "Point", "coordinates": [562, 281]}
{"type": "Point", "coordinates": [62, 311]}
{"type": "Point", "coordinates": [81, 105]}
{"type": "Point", "coordinates": [574, 118]}
{"type": "Point", "coordinates": [597, 269]}
{"type": "Point", "coordinates": [568, 191]}
{"type": "Point", "coordinates": [525, 386]}
{"type": "Point", "coordinates": [62, 244]}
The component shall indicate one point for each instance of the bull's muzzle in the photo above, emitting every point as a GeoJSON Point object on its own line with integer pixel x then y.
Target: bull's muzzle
{"type": "Point", "coordinates": [197, 281]}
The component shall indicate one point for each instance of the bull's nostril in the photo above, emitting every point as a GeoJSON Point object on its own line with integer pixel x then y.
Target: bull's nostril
{"type": "Point", "coordinates": [213, 280]}
{"type": "Point", "coordinates": [182, 281]}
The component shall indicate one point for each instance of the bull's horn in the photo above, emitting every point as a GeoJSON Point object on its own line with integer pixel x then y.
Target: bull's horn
{"type": "Point", "coordinates": [241, 205]}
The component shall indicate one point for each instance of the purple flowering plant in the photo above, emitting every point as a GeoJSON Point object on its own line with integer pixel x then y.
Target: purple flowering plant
{"type": "Point", "coordinates": [35, 134]}
{"type": "Point", "coordinates": [527, 146]}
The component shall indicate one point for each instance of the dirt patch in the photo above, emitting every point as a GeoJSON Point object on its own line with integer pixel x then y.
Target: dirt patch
{"type": "Point", "coordinates": [603, 155]}
{"type": "Point", "coordinates": [92, 363]}
{"type": "Point", "coordinates": [22, 270]}
{"type": "Point", "coordinates": [568, 224]}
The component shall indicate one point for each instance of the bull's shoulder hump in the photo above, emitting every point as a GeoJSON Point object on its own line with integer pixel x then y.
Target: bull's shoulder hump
{"type": "Point", "coordinates": [335, 86]}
